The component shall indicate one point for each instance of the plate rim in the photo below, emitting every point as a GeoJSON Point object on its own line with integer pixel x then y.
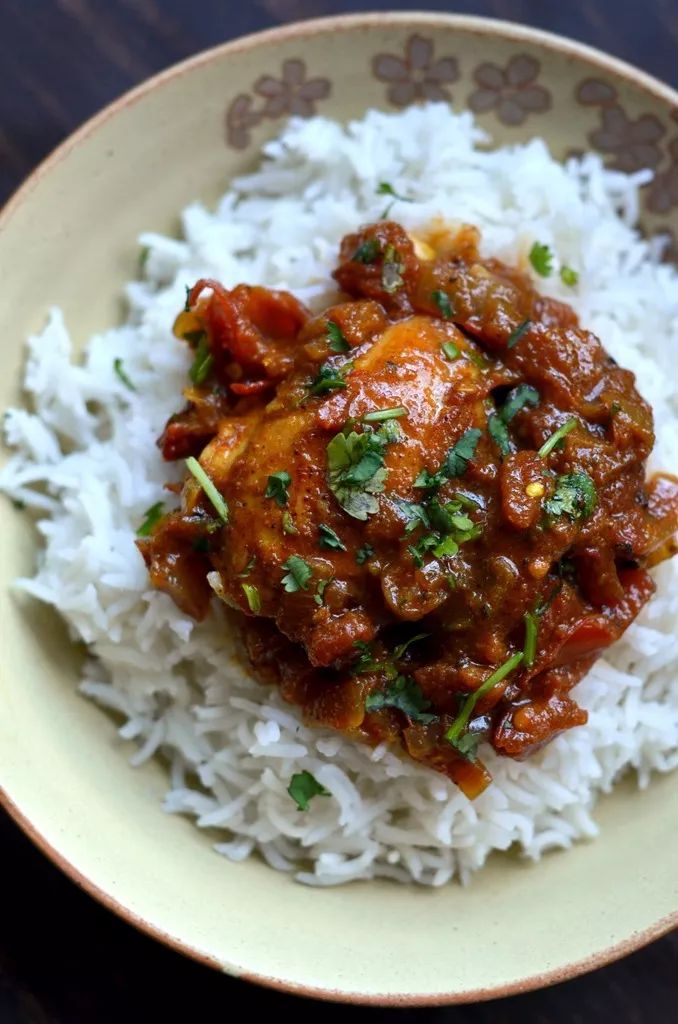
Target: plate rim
{"type": "Point", "coordinates": [300, 30]}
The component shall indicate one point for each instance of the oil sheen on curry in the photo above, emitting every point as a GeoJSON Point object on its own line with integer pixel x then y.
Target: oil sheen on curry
{"type": "Point", "coordinates": [428, 502]}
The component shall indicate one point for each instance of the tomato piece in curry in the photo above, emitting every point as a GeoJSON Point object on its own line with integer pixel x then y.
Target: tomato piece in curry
{"type": "Point", "coordinates": [428, 502]}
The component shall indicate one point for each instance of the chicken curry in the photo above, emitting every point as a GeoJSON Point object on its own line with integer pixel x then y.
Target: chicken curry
{"type": "Point", "coordinates": [428, 501]}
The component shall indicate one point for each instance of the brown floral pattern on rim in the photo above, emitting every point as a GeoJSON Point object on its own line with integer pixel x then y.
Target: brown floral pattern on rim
{"type": "Point", "coordinates": [291, 94]}
{"type": "Point", "coordinates": [631, 144]}
{"type": "Point", "coordinates": [663, 192]}
{"type": "Point", "coordinates": [512, 91]}
{"type": "Point", "coordinates": [416, 75]}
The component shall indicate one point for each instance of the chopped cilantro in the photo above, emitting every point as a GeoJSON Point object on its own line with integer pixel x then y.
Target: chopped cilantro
{"type": "Point", "coordinates": [303, 787]}
{"type": "Point", "coordinates": [467, 746]}
{"type": "Point", "coordinates": [151, 516]}
{"type": "Point", "coordinates": [319, 596]}
{"type": "Point", "coordinates": [329, 539]}
{"type": "Point", "coordinates": [364, 553]}
{"type": "Point", "coordinates": [497, 424]}
{"type": "Point", "coordinates": [453, 734]}
{"type": "Point", "coordinates": [442, 301]}
{"type": "Point", "coordinates": [187, 303]}
{"type": "Point", "coordinates": [530, 644]}
{"type": "Point", "coordinates": [414, 513]}
{"type": "Point", "coordinates": [379, 415]}
{"type": "Point", "coordinates": [404, 695]}
{"type": "Point", "coordinates": [455, 462]}
{"type": "Point", "coordinates": [336, 337]}
{"type": "Point", "coordinates": [218, 503]}
{"type": "Point", "coordinates": [356, 470]}
{"type": "Point", "coordinates": [298, 574]}
{"type": "Point", "coordinates": [121, 375]}
{"type": "Point", "coordinates": [555, 439]}
{"type": "Point", "coordinates": [541, 259]}
{"type": "Point", "coordinates": [515, 335]}
{"type": "Point", "coordinates": [288, 523]}
{"type": "Point", "coordinates": [575, 496]}
{"type": "Point", "coordinates": [277, 486]}
{"type": "Point", "coordinates": [399, 651]}
{"type": "Point", "coordinates": [391, 271]}
{"type": "Point", "coordinates": [253, 599]}
{"type": "Point", "coordinates": [569, 276]}
{"type": "Point", "coordinates": [450, 350]}
{"type": "Point", "coordinates": [386, 189]}
{"type": "Point", "coordinates": [329, 379]}
{"type": "Point", "coordinates": [248, 568]}
{"type": "Point", "coordinates": [367, 252]}
{"type": "Point", "coordinates": [365, 662]}
{"type": "Point", "coordinates": [202, 363]}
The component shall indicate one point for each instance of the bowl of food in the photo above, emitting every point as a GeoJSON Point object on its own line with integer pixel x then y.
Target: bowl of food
{"type": "Point", "coordinates": [340, 454]}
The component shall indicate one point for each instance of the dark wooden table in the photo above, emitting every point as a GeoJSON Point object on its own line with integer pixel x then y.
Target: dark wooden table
{"type": "Point", "coordinates": [64, 959]}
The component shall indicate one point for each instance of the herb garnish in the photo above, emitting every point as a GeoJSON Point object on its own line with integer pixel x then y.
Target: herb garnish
{"type": "Point", "coordinates": [365, 662]}
{"type": "Point", "coordinates": [379, 415]}
{"type": "Point", "coordinates": [454, 732]}
{"type": "Point", "coordinates": [329, 379]}
{"type": "Point", "coordinates": [442, 301]}
{"type": "Point", "coordinates": [575, 496]}
{"type": "Point", "coordinates": [356, 471]}
{"type": "Point", "coordinates": [530, 645]}
{"type": "Point", "coordinates": [335, 334]}
{"type": "Point", "coordinates": [450, 350]}
{"type": "Point", "coordinates": [329, 539]}
{"type": "Point", "coordinates": [404, 695]}
{"type": "Point", "coordinates": [187, 304]}
{"type": "Point", "coordinates": [497, 424]}
{"type": "Point", "coordinates": [218, 502]}
{"type": "Point", "coordinates": [288, 523]}
{"type": "Point", "coordinates": [298, 574]}
{"type": "Point", "coordinates": [391, 271]}
{"type": "Point", "coordinates": [122, 376]}
{"type": "Point", "coordinates": [569, 276]}
{"type": "Point", "coordinates": [515, 335]}
{"type": "Point", "coordinates": [151, 516]}
{"type": "Point", "coordinates": [555, 438]}
{"type": "Point", "coordinates": [248, 568]}
{"type": "Point", "coordinates": [276, 487]}
{"type": "Point", "coordinates": [319, 596]}
{"type": "Point", "coordinates": [202, 364]}
{"type": "Point", "coordinates": [252, 595]}
{"type": "Point", "coordinates": [367, 252]}
{"type": "Point", "coordinates": [455, 462]}
{"type": "Point", "coordinates": [385, 189]}
{"type": "Point", "coordinates": [364, 553]}
{"type": "Point", "coordinates": [303, 787]}
{"type": "Point", "coordinates": [541, 259]}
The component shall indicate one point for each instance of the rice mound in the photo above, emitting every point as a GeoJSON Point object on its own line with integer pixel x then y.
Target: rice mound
{"type": "Point", "coordinates": [85, 460]}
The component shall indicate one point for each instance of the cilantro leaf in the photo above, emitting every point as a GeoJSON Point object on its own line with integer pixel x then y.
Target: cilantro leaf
{"type": "Point", "coordinates": [122, 375]}
{"type": "Point", "coordinates": [414, 513]}
{"type": "Point", "coordinates": [517, 399]}
{"type": "Point", "coordinates": [404, 695]}
{"type": "Point", "coordinates": [365, 662]}
{"type": "Point", "coordinates": [208, 486]}
{"type": "Point", "coordinates": [575, 496]}
{"type": "Point", "coordinates": [329, 379]}
{"type": "Point", "coordinates": [541, 259]}
{"type": "Point", "coordinates": [298, 574]}
{"type": "Point", "coordinates": [151, 516]}
{"type": "Point", "coordinates": [356, 471]}
{"type": "Point", "coordinates": [454, 464]}
{"type": "Point", "coordinates": [569, 276]}
{"type": "Point", "coordinates": [386, 189]}
{"type": "Point", "coordinates": [202, 363]}
{"type": "Point", "coordinates": [442, 301]}
{"type": "Point", "coordinates": [364, 553]}
{"type": "Point", "coordinates": [303, 787]}
{"type": "Point", "coordinates": [276, 487]}
{"type": "Point", "coordinates": [399, 651]}
{"type": "Point", "coordinates": [498, 431]}
{"type": "Point", "coordinates": [319, 596]}
{"type": "Point", "coordinates": [467, 746]}
{"type": "Point", "coordinates": [329, 539]}
{"type": "Point", "coordinates": [335, 334]}
{"type": "Point", "coordinates": [252, 595]}
{"type": "Point", "coordinates": [367, 252]}
{"type": "Point", "coordinates": [288, 523]}
{"type": "Point", "coordinates": [248, 568]}
{"type": "Point", "coordinates": [515, 335]}
{"type": "Point", "coordinates": [450, 350]}
{"type": "Point", "coordinates": [554, 441]}
{"type": "Point", "coordinates": [391, 272]}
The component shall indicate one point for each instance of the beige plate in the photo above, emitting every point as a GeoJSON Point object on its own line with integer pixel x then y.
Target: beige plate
{"type": "Point", "coordinates": [68, 237]}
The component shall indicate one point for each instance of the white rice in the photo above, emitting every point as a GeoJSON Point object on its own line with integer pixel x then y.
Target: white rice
{"type": "Point", "coordinates": [85, 459]}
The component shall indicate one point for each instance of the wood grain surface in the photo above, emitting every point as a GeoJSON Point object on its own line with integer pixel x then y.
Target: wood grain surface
{"type": "Point", "coordinates": [64, 959]}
